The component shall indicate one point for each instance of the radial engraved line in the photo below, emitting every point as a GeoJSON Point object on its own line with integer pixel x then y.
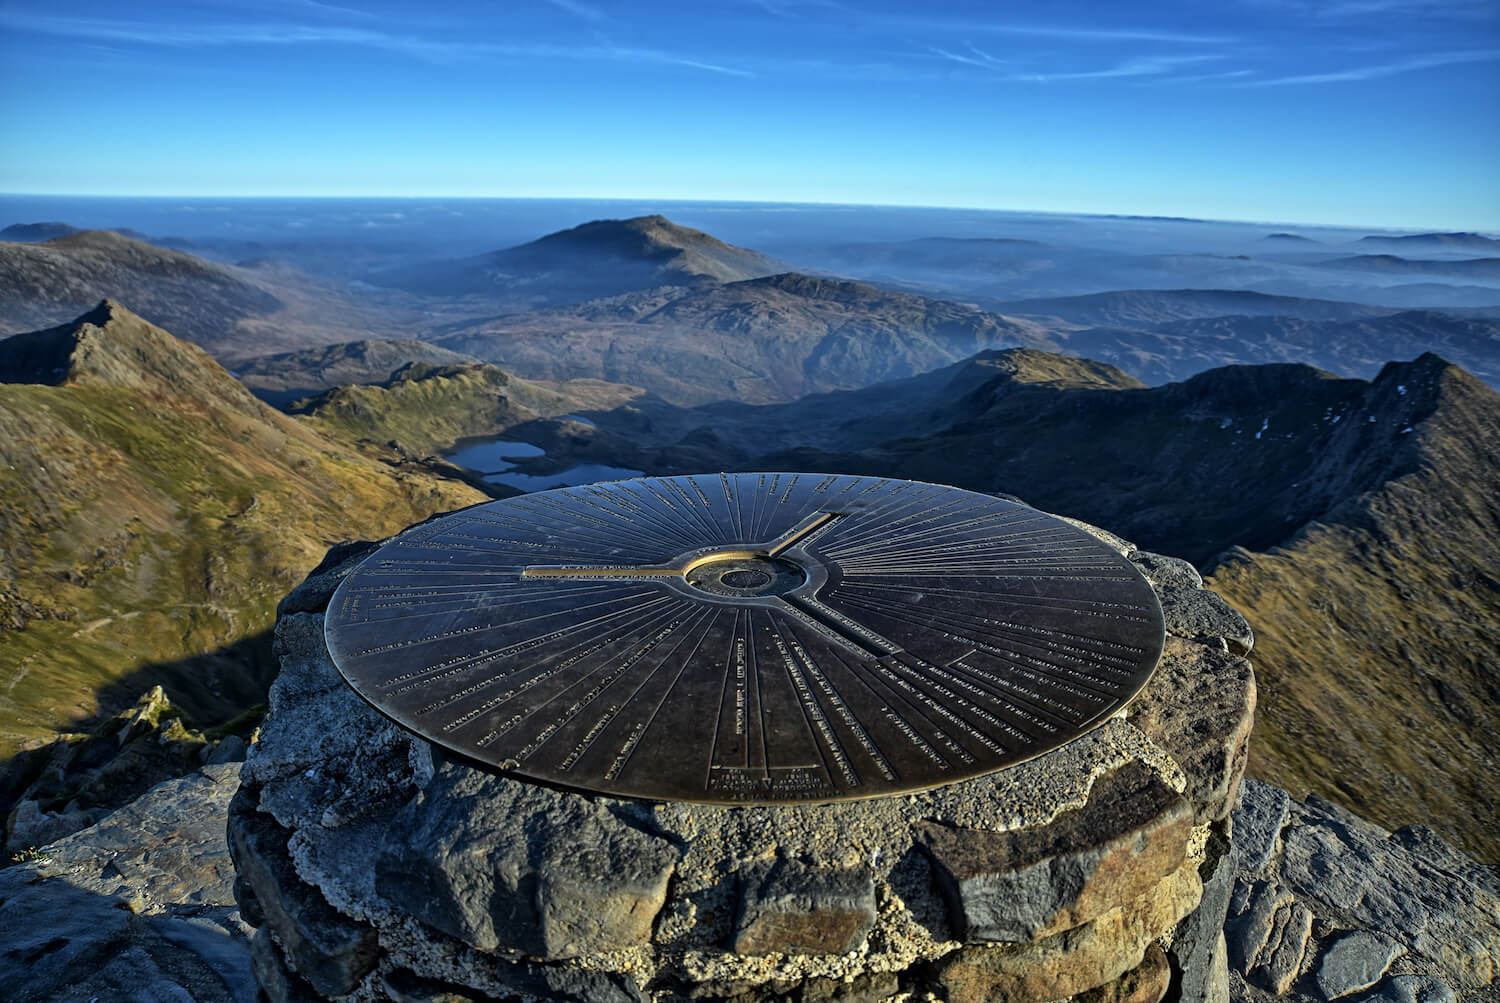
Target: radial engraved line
{"type": "Point", "coordinates": [998, 651]}
{"type": "Point", "coordinates": [617, 522]}
{"type": "Point", "coordinates": [1008, 545]}
{"type": "Point", "coordinates": [814, 717]}
{"type": "Point", "coordinates": [690, 532]}
{"type": "Point", "coordinates": [622, 759]}
{"type": "Point", "coordinates": [636, 513]}
{"type": "Point", "coordinates": [1000, 703]}
{"type": "Point", "coordinates": [602, 682]}
{"type": "Point", "coordinates": [1004, 530]}
{"type": "Point", "coordinates": [1048, 638]}
{"type": "Point", "coordinates": [570, 656]}
{"type": "Point", "coordinates": [736, 658]}
{"type": "Point", "coordinates": [1085, 607]}
{"type": "Point", "coordinates": [472, 629]}
{"type": "Point", "coordinates": [1029, 699]}
{"type": "Point", "coordinates": [879, 519]}
{"type": "Point", "coordinates": [690, 507]}
{"type": "Point", "coordinates": [608, 716]}
{"type": "Point", "coordinates": [928, 685]}
{"type": "Point", "coordinates": [732, 491]}
{"type": "Point", "coordinates": [1027, 707]}
{"type": "Point", "coordinates": [522, 645]}
{"type": "Point", "coordinates": [835, 699]}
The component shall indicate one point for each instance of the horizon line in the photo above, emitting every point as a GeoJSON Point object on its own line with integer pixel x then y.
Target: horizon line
{"type": "Point", "coordinates": [1157, 216]}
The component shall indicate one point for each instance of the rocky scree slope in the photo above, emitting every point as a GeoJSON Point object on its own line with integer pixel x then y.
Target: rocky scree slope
{"type": "Point", "coordinates": [151, 513]}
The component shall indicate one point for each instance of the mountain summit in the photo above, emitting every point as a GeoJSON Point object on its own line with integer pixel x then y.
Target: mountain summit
{"type": "Point", "coordinates": [111, 347]}
{"type": "Point", "coordinates": [603, 258]}
{"type": "Point", "coordinates": [673, 248]}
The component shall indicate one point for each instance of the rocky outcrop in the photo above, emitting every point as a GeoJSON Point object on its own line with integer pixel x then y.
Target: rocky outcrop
{"type": "Point", "coordinates": [67, 785]}
{"type": "Point", "coordinates": [139, 906]}
{"type": "Point", "coordinates": [376, 866]}
{"type": "Point", "coordinates": [1327, 906]}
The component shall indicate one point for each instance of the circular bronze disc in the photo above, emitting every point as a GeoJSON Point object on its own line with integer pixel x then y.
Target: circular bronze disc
{"type": "Point", "coordinates": [747, 638]}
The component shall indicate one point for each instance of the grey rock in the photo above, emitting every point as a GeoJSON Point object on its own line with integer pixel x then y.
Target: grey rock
{"type": "Point", "coordinates": [1422, 842]}
{"type": "Point", "coordinates": [1263, 813]}
{"type": "Point", "coordinates": [1195, 613]}
{"type": "Point", "coordinates": [1216, 982]}
{"type": "Point", "coordinates": [1073, 961]}
{"type": "Point", "coordinates": [1119, 544]}
{"type": "Point", "coordinates": [31, 827]}
{"type": "Point", "coordinates": [499, 863]}
{"type": "Point", "coordinates": [1162, 570]}
{"type": "Point", "coordinates": [166, 847]}
{"type": "Point", "coordinates": [1411, 989]}
{"type": "Point", "coordinates": [546, 982]}
{"type": "Point", "coordinates": [279, 983]}
{"type": "Point", "coordinates": [231, 749]}
{"type": "Point", "coordinates": [793, 909]}
{"type": "Point", "coordinates": [1268, 939]}
{"type": "Point", "coordinates": [63, 942]}
{"type": "Point", "coordinates": [318, 587]}
{"type": "Point", "coordinates": [1349, 869]}
{"type": "Point", "coordinates": [139, 903]}
{"type": "Point", "coordinates": [1198, 948]}
{"type": "Point", "coordinates": [329, 950]}
{"type": "Point", "coordinates": [244, 896]}
{"type": "Point", "coordinates": [315, 720]}
{"type": "Point", "coordinates": [1356, 961]}
{"type": "Point", "coordinates": [1199, 706]}
{"type": "Point", "coordinates": [1148, 982]}
{"type": "Point", "coordinates": [1030, 883]}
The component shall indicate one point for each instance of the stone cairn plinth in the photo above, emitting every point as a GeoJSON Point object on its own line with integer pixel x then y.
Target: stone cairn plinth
{"type": "Point", "coordinates": [375, 867]}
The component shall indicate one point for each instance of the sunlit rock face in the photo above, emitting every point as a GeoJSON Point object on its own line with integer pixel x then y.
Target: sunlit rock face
{"type": "Point", "coordinates": [378, 867]}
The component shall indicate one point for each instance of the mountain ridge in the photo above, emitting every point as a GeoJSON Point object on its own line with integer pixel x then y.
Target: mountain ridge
{"type": "Point", "coordinates": [153, 514]}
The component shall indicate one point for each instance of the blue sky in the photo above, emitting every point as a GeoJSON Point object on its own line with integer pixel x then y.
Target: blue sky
{"type": "Point", "coordinates": [1362, 112]}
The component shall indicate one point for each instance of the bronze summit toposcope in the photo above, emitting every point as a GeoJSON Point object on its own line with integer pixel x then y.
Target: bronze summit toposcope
{"type": "Point", "coordinates": [747, 638]}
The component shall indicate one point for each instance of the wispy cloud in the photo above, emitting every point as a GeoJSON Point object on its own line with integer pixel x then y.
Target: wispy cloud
{"type": "Point", "coordinates": [975, 56]}
{"type": "Point", "coordinates": [1058, 32]}
{"type": "Point", "coordinates": [790, 9]}
{"type": "Point", "coordinates": [439, 50]}
{"type": "Point", "coordinates": [586, 11]}
{"type": "Point", "coordinates": [1462, 10]}
{"type": "Point", "coordinates": [1150, 66]}
{"type": "Point", "coordinates": [1204, 78]}
{"type": "Point", "coordinates": [1383, 69]}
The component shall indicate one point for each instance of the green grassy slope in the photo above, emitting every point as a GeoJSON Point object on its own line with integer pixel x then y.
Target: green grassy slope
{"type": "Point", "coordinates": [151, 516]}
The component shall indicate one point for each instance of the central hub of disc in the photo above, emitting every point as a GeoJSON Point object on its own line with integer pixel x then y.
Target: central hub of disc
{"type": "Point", "coordinates": [742, 575]}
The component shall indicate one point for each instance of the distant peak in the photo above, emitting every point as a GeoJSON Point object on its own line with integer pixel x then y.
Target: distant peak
{"type": "Point", "coordinates": [31, 233]}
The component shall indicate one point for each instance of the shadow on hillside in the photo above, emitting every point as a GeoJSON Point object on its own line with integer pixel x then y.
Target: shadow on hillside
{"type": "Point", "coordinates": [218, 693]}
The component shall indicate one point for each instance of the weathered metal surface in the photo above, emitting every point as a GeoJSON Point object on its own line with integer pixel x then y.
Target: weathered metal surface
{"type": "Point", "coordinates": [747, 638]}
